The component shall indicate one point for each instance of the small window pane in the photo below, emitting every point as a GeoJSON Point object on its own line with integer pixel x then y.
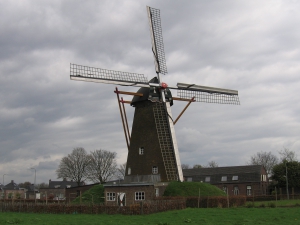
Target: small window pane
{"type": "Point", "coordinates": [139, 195]}
{"type": "Point", "coordinates": [110, 196]}
{"type": "Point", "coordinates": [207, 179]}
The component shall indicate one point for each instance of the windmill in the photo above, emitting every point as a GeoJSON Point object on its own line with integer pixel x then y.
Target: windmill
{"type": "Point", "coordinates": [152, 146]}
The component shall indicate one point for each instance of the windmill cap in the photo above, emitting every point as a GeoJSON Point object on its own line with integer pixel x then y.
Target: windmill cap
{"type": "Point", "coordinates": [151, 93]}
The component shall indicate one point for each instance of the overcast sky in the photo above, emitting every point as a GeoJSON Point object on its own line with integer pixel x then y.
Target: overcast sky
{"type": "Point", "coordinates": [249, 46]}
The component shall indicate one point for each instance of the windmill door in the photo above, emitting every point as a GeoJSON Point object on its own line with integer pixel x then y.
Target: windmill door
{"type": "Point", "coordinates": [121, 199]}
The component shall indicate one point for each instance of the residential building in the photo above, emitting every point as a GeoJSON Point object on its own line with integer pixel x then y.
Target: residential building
{"type": "Point", "coordinates": [235, 180]}
{"type": "Point", "coordinates": [57, 189]}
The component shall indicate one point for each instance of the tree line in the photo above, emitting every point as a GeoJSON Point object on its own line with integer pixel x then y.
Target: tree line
{"type": "Point", "coordinates": [282, 170]}
{"type": "Point", "coordinates": [99, 166]}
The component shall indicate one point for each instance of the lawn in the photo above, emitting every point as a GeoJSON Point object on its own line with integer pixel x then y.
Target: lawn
{"type": "Point", "coordinates": [232, 216]}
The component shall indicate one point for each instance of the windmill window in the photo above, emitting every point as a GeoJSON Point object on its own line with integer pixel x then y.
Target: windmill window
{"type": "Point", "coordinates": [224, 178]}
{"type": "Point", "coordinates": [235, 177]}
{"type": "Point", "coordinates": [111, 196]}
{"type": "Point", "coordinates": [155, 170]}
{"type": "Point", "coordinates": [141, 150]}
{"type": "Point", "coordinates": [207, 179]}
{"type": "Point", "coordinates": [129, 171]}
{"type": "Point", "coordinates": [139, 195]}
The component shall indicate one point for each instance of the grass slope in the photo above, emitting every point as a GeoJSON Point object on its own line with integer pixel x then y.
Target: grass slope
{"type": "Point", "coordinates": [185, 189]}
{"type": "Point", "coordinates": [93, 195]}
{"type": "Point", "coordinates": [216, 216]}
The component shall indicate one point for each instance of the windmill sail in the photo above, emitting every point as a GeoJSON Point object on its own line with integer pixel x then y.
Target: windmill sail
{"type": "Point", "coordinates": [157, 40]}
{"type": "Point", "coordinates": [98, 75]}
{"type": "Point", "coordinates": [207, 94]}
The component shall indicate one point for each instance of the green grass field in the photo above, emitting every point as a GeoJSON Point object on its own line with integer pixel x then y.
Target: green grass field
{"type": "Point", "coordinates": [232, 216]}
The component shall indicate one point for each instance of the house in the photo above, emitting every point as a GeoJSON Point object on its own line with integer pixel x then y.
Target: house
{"type": "Point", "coordinates": [32, 192]}
{"type": "Point", "coordinates": [236, 180]}
{"type": "Point", "coordinates": [57, 189]}
{"type": "Point", "coordinates": [12, 191]}
{"type": "Point", "coordinates": [133, 190]}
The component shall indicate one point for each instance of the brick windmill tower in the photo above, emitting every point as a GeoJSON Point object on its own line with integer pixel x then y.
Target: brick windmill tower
{"type": "Point", "coordinates": [153, 154]}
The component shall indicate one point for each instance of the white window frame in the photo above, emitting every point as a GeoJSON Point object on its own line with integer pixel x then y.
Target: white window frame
{"type": "Point", "coordinates": [110, 196]}
{"type": "Point", "coordinates": [249, 190]}
{"type": "Point", "coordinates": [139, 196]}
{"type": "Point", "coordinates": [141, 151]}
{"type": "Point", "coordinates": [225, 189]}
{"type": "Point", "coordinates": [224, 178]}
{"type": "Point", "coordinates": [154, 170]}
{"type": "Point", "coordinates": [236, 190]}
{"type": "Point", "coordinates": [207, 179]}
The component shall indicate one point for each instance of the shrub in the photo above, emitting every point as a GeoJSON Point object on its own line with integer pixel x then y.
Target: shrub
{"type": "Point", "coordinates": [250, 205]}
{"type": "Point", "coordinates": [94, 195]}
{"type": "Point", "coordinates": [271, 205]}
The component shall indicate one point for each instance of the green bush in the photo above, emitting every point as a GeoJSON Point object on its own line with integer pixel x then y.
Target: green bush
{"type": "Point", "coordinates": [271, 205]}
{"type": "Point", "coordinates": [94, 195]}
{"type": "Point", "coordinates": [250, 205]}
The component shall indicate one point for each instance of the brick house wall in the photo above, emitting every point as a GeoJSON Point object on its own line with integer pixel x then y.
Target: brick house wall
{"type": "Point", "coordinates": [9, 194]}
{"type": "Point", "coordinates": [132, 193]}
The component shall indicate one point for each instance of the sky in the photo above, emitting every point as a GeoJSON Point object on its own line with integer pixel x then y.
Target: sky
{"type": "Point", "coordinates": [249, 46]}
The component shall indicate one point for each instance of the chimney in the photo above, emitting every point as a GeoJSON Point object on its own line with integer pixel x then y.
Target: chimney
{"type": "Point", "coordinates": [12, 181]}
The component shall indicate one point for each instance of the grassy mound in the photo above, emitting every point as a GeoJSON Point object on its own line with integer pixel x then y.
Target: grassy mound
{"type": "Point", "coordinates": [185, 189]}
{"type": "Point", "coordinates": [93, 195]}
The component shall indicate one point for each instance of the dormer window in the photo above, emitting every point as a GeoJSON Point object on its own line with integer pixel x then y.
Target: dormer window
{"type": "Point", "coordinates": [224, 178]}
{"type": "Point", "coordinates": [57, 186]}
{"type": "Point", "coordinates": [68, 186]}
{"type": "Point", "coordinates": [235, 177]}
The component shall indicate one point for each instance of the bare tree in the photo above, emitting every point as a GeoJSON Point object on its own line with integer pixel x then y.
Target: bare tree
{"type": "Point", "coordinates": [185, 166]}
{"type": "Point", "coordinates": [287, 155]}
{"type": "Point", "coordinates": [121, 170]}
{"type": "Point", "coordinates": [212, 164]}
{"type": "Point", "coordinates": [74, 166]}
{"type": "Point", "coordinates": [197, 166]}
{"type": "Point", "coordinates": [102, 166]}
{"type": "Point", "coordinates": [267, 159]}
{"type": "Point", "coordinates": [42, 185]}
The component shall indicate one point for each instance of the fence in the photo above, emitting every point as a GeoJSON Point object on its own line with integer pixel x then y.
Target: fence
{"type": "Point", "coordinates": [145, 207]}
